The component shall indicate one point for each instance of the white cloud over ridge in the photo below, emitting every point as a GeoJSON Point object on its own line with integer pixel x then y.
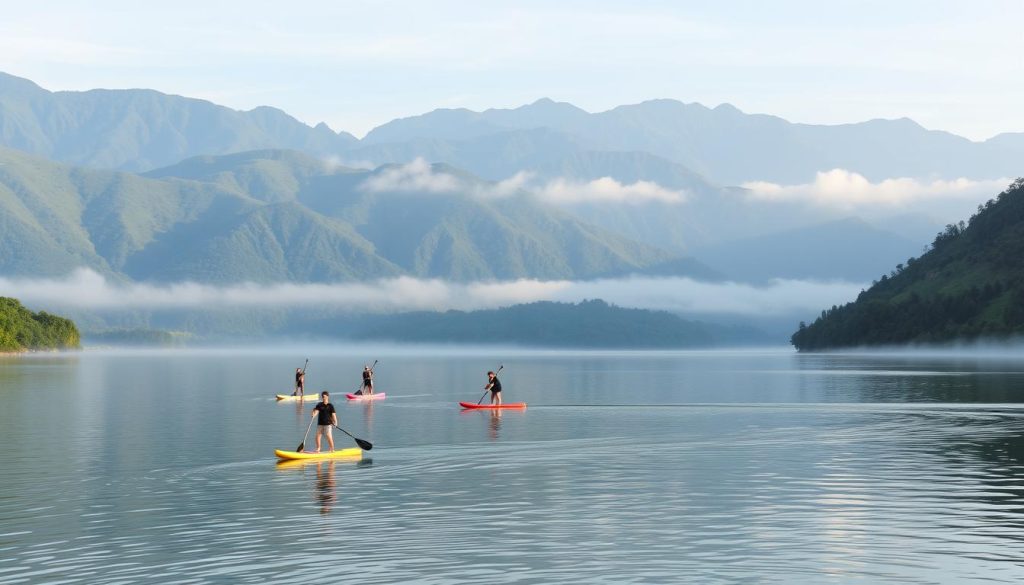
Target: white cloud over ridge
{"type": "Point", "coordinates": [87, 289]}
{"type": "Point", "coordinates": [845, 189]}
{"type": "Point", "coordinates": [417, 175]}
{"type": "Point", "coordinates": [608, 190]}
{"type": "Point", "coordinates": [420, 176]}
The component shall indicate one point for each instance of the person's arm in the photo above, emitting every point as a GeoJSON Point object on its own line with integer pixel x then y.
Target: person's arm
{"type": "Point", "coordinates": [334, 418]}
{"type": "Point", "coordinates": [315, 408]}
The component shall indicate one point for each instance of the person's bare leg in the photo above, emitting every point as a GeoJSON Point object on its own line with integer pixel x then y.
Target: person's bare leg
{"type": "Point", "coordinates": [330, 439]}
{"type": "Point", "coordinates": [318, 431]}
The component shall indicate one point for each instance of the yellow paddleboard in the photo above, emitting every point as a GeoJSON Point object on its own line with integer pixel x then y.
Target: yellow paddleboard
{"type": "Point", "coordinates": [303, 397]}
{"type": "Point", "coordinates": [354, 452]}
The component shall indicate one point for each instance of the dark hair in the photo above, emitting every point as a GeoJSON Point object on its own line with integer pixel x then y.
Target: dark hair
{"type": "Point", "coordinates": [490, 373]}
{"type": "Point", "coordinates": [325, 393]}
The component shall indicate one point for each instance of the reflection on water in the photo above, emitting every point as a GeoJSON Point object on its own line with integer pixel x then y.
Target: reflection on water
{"type": "Point", "coordinates": [325, 494]}
{"type": "Point", "coordinates": [324, 485]}
{"type": "Point", "coordinates": [368, 418]}
{"type": "Point", "coordinates": [715, 467]}
{"type": "Point", "coordinates": [495, 423]}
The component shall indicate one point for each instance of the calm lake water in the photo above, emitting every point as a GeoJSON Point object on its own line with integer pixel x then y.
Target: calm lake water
{"type": "Point", "coordinates": [705, 467]}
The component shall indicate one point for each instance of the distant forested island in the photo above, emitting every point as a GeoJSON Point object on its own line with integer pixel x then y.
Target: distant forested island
{"type": "Point", "coordinates": [22, 330]}
{"type": "Point", "coordinates": [970, 284]}
{"type": "Point", "coordinates": [138, 337]}
{"type": "Point", "coordinates": [588, 324]}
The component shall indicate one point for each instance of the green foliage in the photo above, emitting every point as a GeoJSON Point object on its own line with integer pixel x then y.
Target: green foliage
{"type": "Point", "coordinates": [21, 329]}
{"type": "Point", "coordinates": [970, 284]}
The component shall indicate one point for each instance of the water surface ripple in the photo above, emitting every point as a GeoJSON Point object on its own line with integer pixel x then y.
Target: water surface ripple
{"type": "Point", "coordinates": [768, 468]}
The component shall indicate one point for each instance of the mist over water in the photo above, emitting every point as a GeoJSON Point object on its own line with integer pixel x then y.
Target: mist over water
{"type": "Point", "coordinates": [759, 465]}
{"type": "Point", "coordinates": [87, 289]}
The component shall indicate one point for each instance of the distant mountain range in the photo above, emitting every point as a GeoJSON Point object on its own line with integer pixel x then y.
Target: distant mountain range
{"type": "Point", "coordinates": [278, 216]}
{"type": "Point", "coordinates": [723, 143]}
{"type": "Point", "coordinates": [259, 195]}
{"type": "Point", "coordinates": [844, 249]}
{"type": "Point", "coordinates": [141, 129]}
{"type": "Point", "coordinates": [969, 285]}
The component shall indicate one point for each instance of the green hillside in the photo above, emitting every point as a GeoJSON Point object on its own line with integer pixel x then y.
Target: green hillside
{"type": "Point", "coordinates": [22, 330]}
{"type": "Point", "coordinates": [457, 235]}
{"type": "Point", "coordinates": [970, 284]}
{"type": "Point", "coordinates": [272, 216]}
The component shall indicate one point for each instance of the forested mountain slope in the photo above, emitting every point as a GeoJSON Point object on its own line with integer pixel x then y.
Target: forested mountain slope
{"type": "Point", "coordinates": [969, 284]}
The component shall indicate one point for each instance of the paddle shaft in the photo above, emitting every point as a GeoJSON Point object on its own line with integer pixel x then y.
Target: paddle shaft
{"type": "Point", "coordinates": [488, 390]}
{"type": "Point", "coordinates": [303, 443]}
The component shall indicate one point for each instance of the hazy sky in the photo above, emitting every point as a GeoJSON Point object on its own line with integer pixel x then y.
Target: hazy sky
{"type": "Point", "coordinates": [950, 65]}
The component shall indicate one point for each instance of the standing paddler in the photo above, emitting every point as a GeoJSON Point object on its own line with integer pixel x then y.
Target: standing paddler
{"type": "Point", "coordinates": [367, 387]}
{"type": "Point", "coordinates": [494, 385]}
{"type": "Point", "coordinates": [300, 379]}
{"type": "Point", "coordinates": [327, 417]}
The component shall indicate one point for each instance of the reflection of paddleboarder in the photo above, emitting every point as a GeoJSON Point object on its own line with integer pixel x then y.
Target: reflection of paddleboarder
{"type": "Point", "coordinates": [495, 423]}
{"type": "Point", "coordinates": [325, 492]}
{"type": "Point", "coordinates": [368, 417]}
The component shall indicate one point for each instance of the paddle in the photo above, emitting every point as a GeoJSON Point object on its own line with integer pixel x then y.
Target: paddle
{"type": "Point", "coordinates": [365, 445]}
{"type": "Point", "coordinates": [359, 392]}
{"type": "Point", "coordinates": [303, 443]}
{"type": "Point", "coordinates": [488, 390]}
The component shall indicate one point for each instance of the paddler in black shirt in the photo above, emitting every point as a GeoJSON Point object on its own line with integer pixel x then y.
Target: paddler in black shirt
{"type": "Point", "coordinates": [494, 385]}
{"type": "Point", "coordinates": [300, 382]}
{"type": "Point", "coordinates": [327, 417]}
{"type": "Point", "coordinates": [367, 387]}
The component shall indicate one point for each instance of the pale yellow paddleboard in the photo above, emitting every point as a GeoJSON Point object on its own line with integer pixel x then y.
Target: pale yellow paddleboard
{"type": "Point", "coordinates": [303, 397]}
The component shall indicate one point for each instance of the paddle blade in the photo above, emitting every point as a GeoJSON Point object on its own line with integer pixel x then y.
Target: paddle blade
{"type": "Point", "coordinates": [364, 445]}
{"type": "Point", "coordinates": [299, 448]}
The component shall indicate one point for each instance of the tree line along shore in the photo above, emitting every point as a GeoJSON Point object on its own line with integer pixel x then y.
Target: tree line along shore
{"type": "Point", "coordinates": [22, 330]}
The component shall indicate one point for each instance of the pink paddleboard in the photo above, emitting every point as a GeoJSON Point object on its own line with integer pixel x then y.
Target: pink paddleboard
{"type": "Point", "coordinates": [374, 396]}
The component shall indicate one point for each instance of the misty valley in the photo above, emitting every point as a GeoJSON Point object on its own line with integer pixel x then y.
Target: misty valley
{"type": "Point", "coordinates": [538, 292]}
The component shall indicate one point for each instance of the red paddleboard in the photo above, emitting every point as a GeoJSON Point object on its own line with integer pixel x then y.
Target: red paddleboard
{"type": "Point", "coordinates": [374, 396]}
{"type": "Point", "coordinates": [507, 405]}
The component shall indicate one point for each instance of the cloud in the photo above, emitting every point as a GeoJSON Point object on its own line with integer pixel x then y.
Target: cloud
{"type": "Point", "coordinates": [419, 175]}
{"type": "Point", "coordinates": [510, 186]}
{"type": "Point", "coordinates": [334, 163]}
{"type": "Point", "coordinates": [846, 189]}
{"type": "Point", "coordinates": [89, 290]}
{"type": "Point", "coordinates": [607, 190]}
